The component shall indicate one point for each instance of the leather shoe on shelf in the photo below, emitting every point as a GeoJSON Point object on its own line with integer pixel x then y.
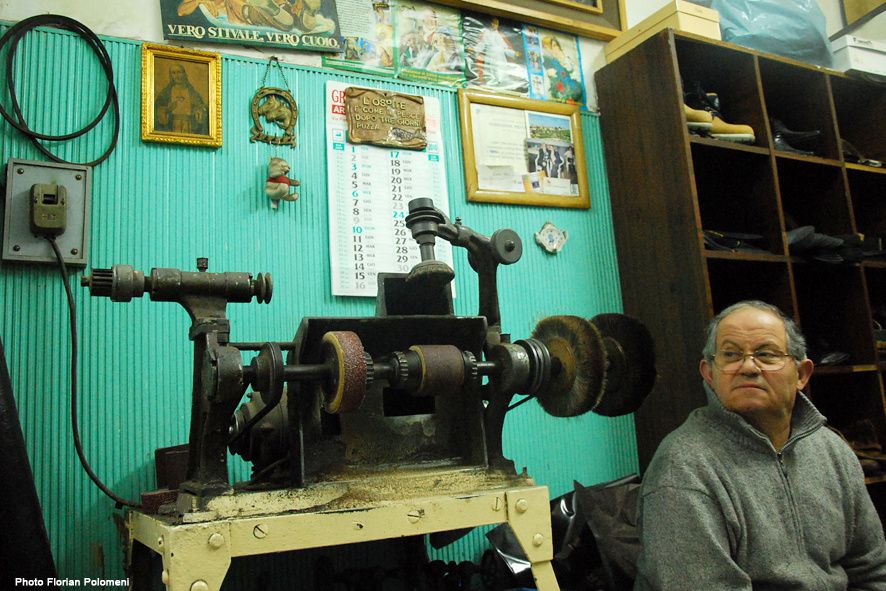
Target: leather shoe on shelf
{"type": "Point", "coordinates": [782, 145]}
{"type": "Point", "coordinates": [851, 154]}
{"type": "Point", "coordinates": [697, 98]}
{"type": "Point", "coordinates": [795, 138]}
{"type": "Point", "coordinates": [697, 120]}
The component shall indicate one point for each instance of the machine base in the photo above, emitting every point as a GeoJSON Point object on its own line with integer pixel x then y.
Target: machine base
{"type": "Point", "coordinates": [197, 547]}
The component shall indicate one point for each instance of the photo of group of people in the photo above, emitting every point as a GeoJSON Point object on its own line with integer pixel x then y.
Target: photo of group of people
{"type": "Point", "coordinates": [414, 40]}
{"type": "Point", "coordinates": [550, 154]}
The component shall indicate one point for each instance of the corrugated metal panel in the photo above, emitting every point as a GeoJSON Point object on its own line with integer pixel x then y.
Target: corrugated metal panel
{"type": "Point", "coordinates": [155, 205]}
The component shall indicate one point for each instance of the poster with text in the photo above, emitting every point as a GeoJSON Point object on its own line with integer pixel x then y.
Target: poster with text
{"type": "Point", "coordinates": [428, 45]}
{"type": "Point", "coordinates": [307, 25]}
{"type": "Point", "coordinates": [495, 57]}
{"type": "Point", "coordinates": [554, 64]}
{"type": "Point", "coordinates": [368, 44]}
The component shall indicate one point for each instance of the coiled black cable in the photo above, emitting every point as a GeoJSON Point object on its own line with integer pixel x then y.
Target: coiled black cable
{"type": "Point", "coordinates": [13, 36]}
{"type": "Point", "coordinates": [74, 423]}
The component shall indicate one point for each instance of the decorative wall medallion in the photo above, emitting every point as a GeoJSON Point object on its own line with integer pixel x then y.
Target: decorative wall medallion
{"type": "Point", "coordinates": [551, 238]}
{"type": "Point", "coordinates": [277, 107]}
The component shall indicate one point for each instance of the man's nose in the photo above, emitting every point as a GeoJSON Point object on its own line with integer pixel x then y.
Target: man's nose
{"type": "Point", "coordinates": [749, 365]}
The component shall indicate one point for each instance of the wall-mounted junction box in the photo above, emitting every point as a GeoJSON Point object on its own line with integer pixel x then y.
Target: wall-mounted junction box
{"type": "Point", "coordinates": [19, 243]}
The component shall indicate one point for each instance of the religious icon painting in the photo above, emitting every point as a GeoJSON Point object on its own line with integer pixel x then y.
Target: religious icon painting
{"type": "Point", "coordinates": [181, 96]}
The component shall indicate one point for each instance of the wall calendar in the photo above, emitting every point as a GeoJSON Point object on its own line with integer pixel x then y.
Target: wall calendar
{"type": "Point", "coordinates": [369, 189]}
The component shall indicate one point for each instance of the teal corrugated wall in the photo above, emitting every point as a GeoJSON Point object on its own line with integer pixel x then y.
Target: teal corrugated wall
{"type": "Point", "coordinates": [155, 205]}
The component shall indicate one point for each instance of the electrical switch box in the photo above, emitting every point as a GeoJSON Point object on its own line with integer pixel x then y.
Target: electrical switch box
{"type": "Point", "coordinates": [48, 209]}
{"type": "Point", "coordinates": [46, 199]}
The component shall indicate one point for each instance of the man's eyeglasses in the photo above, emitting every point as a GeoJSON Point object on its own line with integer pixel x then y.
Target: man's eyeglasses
{"type": "Point", "coordinates": [732, 361]}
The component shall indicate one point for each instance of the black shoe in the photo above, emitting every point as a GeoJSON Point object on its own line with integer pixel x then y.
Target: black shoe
{"type": "Point", "coordinates": [782, 145]}
{"type": "Point", "coordinates": [851, 154]}
{"type": "Point", "coordinates": [796, 138]}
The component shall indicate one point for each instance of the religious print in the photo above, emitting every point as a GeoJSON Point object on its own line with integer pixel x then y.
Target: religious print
{"type": "Point", "coordinates": [428, 45]}
{"type": "Point", "coordinates": [495, 57]}
{"type": "Point", "coordinates": [554, 64]}
{"type": "Point", "coordinates": [307, 25]}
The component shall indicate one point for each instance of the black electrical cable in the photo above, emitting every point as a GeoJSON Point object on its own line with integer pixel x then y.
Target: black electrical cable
{"type": "Point", "coordinates": [519, 402]}
{"type": "Point", "coordinates": [13, 36]}
{"type": "Point", "coordinates": [74, 424]}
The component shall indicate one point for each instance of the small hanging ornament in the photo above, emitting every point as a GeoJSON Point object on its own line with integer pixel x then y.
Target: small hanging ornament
{"type": "Point", "coordinates": [277, 107]}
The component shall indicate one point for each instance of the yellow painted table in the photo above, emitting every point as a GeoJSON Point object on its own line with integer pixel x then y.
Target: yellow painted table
{"type": "Point", "coordinates": [197, 543]}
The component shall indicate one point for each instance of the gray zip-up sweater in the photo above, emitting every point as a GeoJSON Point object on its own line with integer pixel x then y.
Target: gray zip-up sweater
{"type": "Point", "coordinates": [720, 509]}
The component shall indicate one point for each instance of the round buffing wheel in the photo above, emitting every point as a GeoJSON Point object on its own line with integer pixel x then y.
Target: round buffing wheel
{"type": "Point", "coordinates": [344, 390]}
{"type": "Point", "coordinates": [630, 368]}
{"type": "Point", "coordinates": [578, 365]}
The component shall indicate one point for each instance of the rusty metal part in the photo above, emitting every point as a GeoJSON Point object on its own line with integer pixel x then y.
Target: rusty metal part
{"type": "Point", "coordinates": [578, 365]}
{"type": "Point", "coordinates": [485, 254]}
{"type": "Point", "coordinates": [346, 386]}
{"type": "Point", "coordinates": [218, 371]}
{"type": "Point", "coordinates": [442, 369]}
{"type": "Point", "coordinates": [630, 364]}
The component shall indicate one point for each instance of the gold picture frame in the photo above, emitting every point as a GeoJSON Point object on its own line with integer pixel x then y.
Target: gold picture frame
{"type": "Point", "coordinates": [181, 96]}
{"type": "Point", "coordinates": [593, 6]}
{"type": "Point", "coordinates": [522, 151]}
{"type": "Point", "coordinates": [570, 16]}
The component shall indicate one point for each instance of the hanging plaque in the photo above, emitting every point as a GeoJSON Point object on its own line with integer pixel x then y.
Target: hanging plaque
{"type": "Point", "coordinates": [385, 118]}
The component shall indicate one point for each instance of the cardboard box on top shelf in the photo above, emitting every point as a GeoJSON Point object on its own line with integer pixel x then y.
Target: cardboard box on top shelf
{"type": "Point", "coordinates": [860, 56]}
{"type": "Point", "coordinates": [679, 15]}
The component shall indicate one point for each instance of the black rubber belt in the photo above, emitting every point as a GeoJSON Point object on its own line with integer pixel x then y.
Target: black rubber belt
{"type": "Point", "coordinates": [13, 36]}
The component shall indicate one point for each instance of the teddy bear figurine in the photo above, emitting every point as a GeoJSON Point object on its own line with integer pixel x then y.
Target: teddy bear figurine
{"type": "Point", "coordinates": [279, 186]}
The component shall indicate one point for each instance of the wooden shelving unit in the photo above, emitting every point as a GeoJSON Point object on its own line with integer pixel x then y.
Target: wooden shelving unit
{"type": "Point", "coordinates": [668, 185]}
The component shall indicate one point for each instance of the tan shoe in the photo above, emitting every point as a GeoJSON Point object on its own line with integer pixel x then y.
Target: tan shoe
{"type": "Point", "coordinates": [696, 119]}
{"type": "Point", "coordinates": [731, 132]}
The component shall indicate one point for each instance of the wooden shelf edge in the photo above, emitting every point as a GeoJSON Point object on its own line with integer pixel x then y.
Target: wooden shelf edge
{"type": "Point", "coordinates": [831, 370]}
{"type": "Point", "coordinates": [879, 478]}
{"type": "Point", "coordinates": [759, 257]}
{"type": "Point", "coordinates": [808, 159]}
{"type": "Point", "coordinates": [862, 168]}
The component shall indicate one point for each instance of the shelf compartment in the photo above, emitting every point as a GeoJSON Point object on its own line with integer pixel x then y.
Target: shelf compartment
{"type": "Point", "coordinates": [814, 195]}
{"type": "Point", "coordinates": [730, 74]}
{"type": "Point", "coordinates": [875, 279]}
{"type": "Point", "coordinates": [860, 109]}
{"type": "Point", "coordinates": [868, 191]}
{"type": "Point", "coordinates": [736, 193]}
{"type": "Point", "coordinates": [834, 311]}
{"type": "Point", "coordinates": [846, 398]}
{"type": "Point", "coordinates": [734, 280]}
{"type": "Point", "coordinates": [799, 98]}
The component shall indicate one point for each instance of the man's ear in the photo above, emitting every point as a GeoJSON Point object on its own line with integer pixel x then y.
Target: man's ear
{"type": "Point", "coordinates": [707, 372]}
{"type": "Point", "coordinates": [804, 371]}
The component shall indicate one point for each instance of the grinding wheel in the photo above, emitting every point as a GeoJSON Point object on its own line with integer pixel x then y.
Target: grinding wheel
{"type": "Point", "coordinates": [630, 367]}
{"type": "Point", "coordinates": [578, 365]}
{"type": "Point", "coordinates": [344, 354]}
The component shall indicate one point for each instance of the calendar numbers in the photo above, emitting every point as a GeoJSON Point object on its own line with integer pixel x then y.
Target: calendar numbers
{"type": "Point", "coordinates": [369, 191]}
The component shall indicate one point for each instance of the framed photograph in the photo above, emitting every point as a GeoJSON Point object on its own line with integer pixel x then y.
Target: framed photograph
{"type": "Point", "coordinates": [522, 151]}
{"type": "Point", "coordinates": [597, 19]}
{"type": "Point", "coordinates": [181, 96]}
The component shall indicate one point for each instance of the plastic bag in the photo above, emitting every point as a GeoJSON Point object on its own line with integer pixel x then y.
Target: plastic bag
{"type": "Point", "coordinates": [791, 28]}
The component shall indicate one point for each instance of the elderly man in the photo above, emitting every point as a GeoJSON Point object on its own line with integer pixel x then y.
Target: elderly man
{"type": "Point", "coordinates": [752, 492]}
